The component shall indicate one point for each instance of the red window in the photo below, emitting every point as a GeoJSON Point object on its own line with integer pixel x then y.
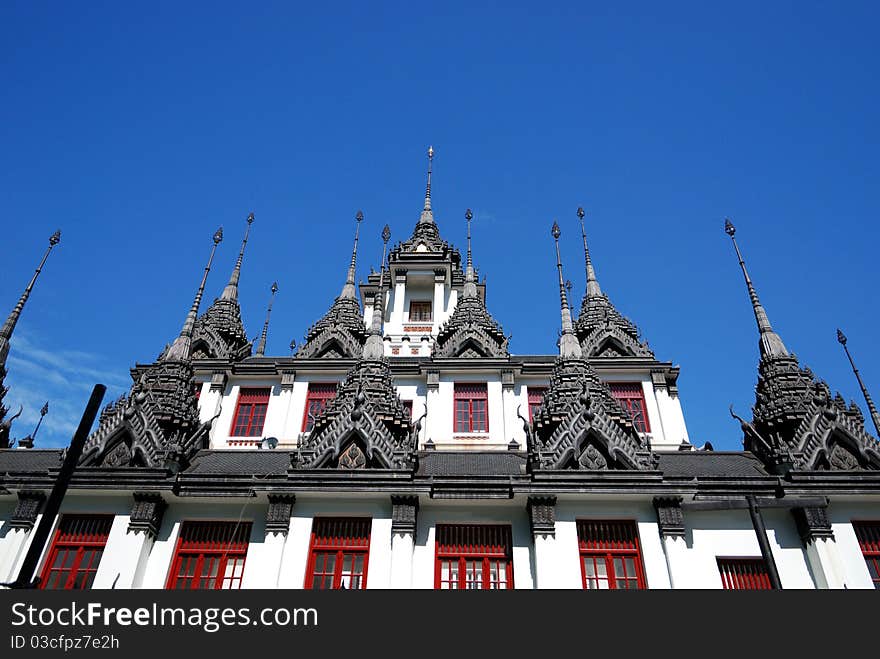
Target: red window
{"type": "Point", "coordinates": [610, 555]}
{"type": "Point", "coordinates": [536, 399]}
{"type": "Point", "coordinates": [338, 553]}
{"type": "Point", "coordinates": [319, 396]}
{"type": "Point", "coordinates": [76, 552]}
{"type": "Point", "coordinates": [209, 556]}
{"type": "Point", "coordinates": [197, 390]}
{"type": "Point", "coordinates": [420, 311]}
{"type": "Point", "coordinates": [868, 534]}
{"type": "Point", "coordinates": [250, 413]}
{"type": "Point", "coordinates": [471, 403]}
{"type": "Point", "coordinates": [631, 397]}
{"type": "Point", "coordinates": [473, 557]}
{"type": "Point", "coordinates": [744, 574]}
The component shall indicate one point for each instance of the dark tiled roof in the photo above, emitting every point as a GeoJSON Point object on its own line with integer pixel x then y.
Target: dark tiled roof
{"type": "Point", "coordinates": [471, 463]}
{"type": "Point", "coordinates": [239, 461]}
{"type": "Point", "coordinates": [29, 460]}
{"type": "Point", "coordinates": [738, 464]}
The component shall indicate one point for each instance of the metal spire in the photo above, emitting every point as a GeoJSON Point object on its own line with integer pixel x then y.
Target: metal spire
{"type": "Point", "coordinates": [12, 320]}
{"type": "Point", "coordinates": [593, 289]}
{"type": "Point", "coordinates": [470, 286]}
{"type": "Point", "coordinates": [770, 344]}
{"type": "Point", "coordinates": [373, 348]}
{"type": "Point", "coordinates": [348, 290]}
{"type": "Point", "coordinates": [28, 442]}
{"type": "Point", "coordinates": [872, 409]}
{"type": "Point", "coordinates": [568, 343]}
{"type": "Point", "coordinates": [261, 347]}
{"type": "Point", "coordinates": [427, 214]}
{"type": "Point", "coordinates": [180, 349]}
{"type": "Point", "coordinates": [231, 290]}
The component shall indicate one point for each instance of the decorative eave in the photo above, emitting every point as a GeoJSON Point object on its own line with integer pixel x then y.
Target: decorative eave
{"type": "Point", "coordinates": [604, 332]}
{"type": "Point", "coordinates": [219, 333]}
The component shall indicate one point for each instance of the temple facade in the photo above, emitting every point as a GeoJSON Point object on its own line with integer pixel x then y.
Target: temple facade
{"type": "Point", "coordinates": [403, 445]}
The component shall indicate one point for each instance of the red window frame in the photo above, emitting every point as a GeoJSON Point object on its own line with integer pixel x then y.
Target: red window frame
{"type": "Point", "coordinates": [610, 555]}
{"type": "Point", "coordinates": [339, 553]}
{"type": "Point", "coordinates": [250, 412]}
{"type": "Point", "coordinates": [318, 397]}
{"type": "Point", "coordinates": [868, 534]}
{"type": "Point", "coordinates": [631, 397]}
{"type": "Point", "coordinates": [473, 557]}
{"type": "Point", "coordinates": [536, 399]}
{"type": "Point", "coordinates": [738, 573]}
{"type": "Point", "coordinates": [76, 551]}
{"type": "Point", "coordinates": [420, 311]}
{"type": "Point", "coordinates": [209, 555]}
{"type": "Point", "coordinates": [471, 412]}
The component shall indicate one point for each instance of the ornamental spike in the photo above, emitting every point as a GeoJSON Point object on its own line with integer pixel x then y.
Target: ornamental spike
{"type": "Point", "coordinates": [231, 290]}
{"type": "Point", "coordinates": [470, 286]}
{"type": "Point", "coordinates": [427, 213]}
{"type": "Point", "coordinates": [770, 344]}
{"type": "Point", "coordinates": [373, 348]}
{"type": "Point", "coordinates": [872, 409]}
{"type": "Point", "coordinates": [261, 347]}
{"type": "Point", "coordinates": [568, 343]}
{"type": "Point", "coordinates": [348, 291]}
{"type": "Point", "coordinates": [181, 348]}
{"type": "Point", "coordinates": [593, 289]}
{"type": "Point", "coordinates": [12, 320]}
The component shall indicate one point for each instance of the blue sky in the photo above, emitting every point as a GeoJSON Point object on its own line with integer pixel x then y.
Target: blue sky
{"type": "Point", "coordinates": [139, 128]}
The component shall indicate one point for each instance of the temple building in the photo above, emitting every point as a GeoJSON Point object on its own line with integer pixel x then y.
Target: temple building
{"type": "Point", "coordinates": [403, 445]}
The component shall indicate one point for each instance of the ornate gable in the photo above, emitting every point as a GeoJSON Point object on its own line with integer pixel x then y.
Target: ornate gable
{"type": "Point", "coordinates": [340, 333]}
{"type": "Point", "coordinates": [219, 333]}
{"type": "Point", "coordinates": [603, 332]}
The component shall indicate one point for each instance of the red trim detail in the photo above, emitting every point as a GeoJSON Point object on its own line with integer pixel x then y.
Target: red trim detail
{"type": "Point", "coordinates": [631, 397]}
{"type": "Point", "coordinates": [473, 557]}
{"type": "Point", "coordinates": [536, 399]}
{"type": "Point", "coordinates": [471, 411]}
{"type": "Point", "coordinates": [868, 534]}
{"type": "Point", "coordinates": [610, 554]}
{"type": "Point", "coordinates": [339, 553]}
{"type": "Point", "coordinates": [250, 412]}
{"type": "Point", "coordinates": [744, 573]}
{"type": "Point", "coordinates": [209, 555]}
{"type": "Point", "coordinates": [319, 396]}
{"type": "Point", "coordinates": [76, 551]}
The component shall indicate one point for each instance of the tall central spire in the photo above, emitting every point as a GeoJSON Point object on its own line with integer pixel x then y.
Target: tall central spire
{"type": "Point", "coordinates": [348, 290]}
{"type": "Point", "coordinates": [593, 289]}
{"type": "Point", "coordinates": [261, 347]}
{"type": "Point", "coordinates": [12, 320]}
{"type": "Point", "coordinates": [427, 213]}
{"type": "Point", "coordinates": [180, 349]}
{"type": "Point", "coordinates": [770, 343]}
{"type": "Point", "coordinates": [568, 343]}
{"type": "Point", "coordinates": [470, 285]}
{"type": "Point", "coordinates": [231, 290]}
{"type": "Point", "coordinates": [373, 346]}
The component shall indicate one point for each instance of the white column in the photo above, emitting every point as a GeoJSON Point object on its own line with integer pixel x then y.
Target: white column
{"type": "Point", "coordinates": [19, 532]}
{"type": "Point", "coordinates": [670, 524]}
{"type": "Point", "coordinates": [129, 543]}
{"type": "Point", "coordinates": [404, 516]}
{"type": "Point", "coordinates": [432, 401]}
{"type": "Point", "coordinates": [675, 552]}
{"type": "Point", "coordinates": [823, 557]}
{"type": "Point", "coordinates": [542, 518]}
{"type": "Point", "coordinates": [439, 299]}
{"type": "Point", "coordinates": [15, 546]}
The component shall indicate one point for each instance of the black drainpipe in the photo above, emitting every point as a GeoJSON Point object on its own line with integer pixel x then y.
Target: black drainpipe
{"type": "Point", "coordinates": [761, 533]}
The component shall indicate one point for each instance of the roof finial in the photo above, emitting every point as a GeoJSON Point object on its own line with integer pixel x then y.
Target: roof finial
{"type": "Point", "coordinates": [593, 289]}
{"type": "Point", "coordinates": [770, 343]}
{"type": "Point", "coordinates": [470, 286]}
{"type": "Point", "coordinates": [427, 213]}
{"type": "Point", "coordinates": [12, 320]}
{"type": "Point", "coordinates": [231, 290]}
{"type": "Point", "coordinates": [373, 348]}
{"type": "Point", "coordinates": [261, 347]}
{"type": "Point", "coordinates": [348, 290]}
{"type": "Point", "coordinates": [28, 442]}
{"type": "Point", "coordinates": [872, 409]}
{"type": "Point", "coordinates": [180, 349]}
{"type": "Point", "coordinates": [568, 343]}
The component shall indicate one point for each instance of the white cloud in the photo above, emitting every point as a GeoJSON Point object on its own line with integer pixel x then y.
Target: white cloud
{"type": "Point", "coordinates": [65, 378]}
